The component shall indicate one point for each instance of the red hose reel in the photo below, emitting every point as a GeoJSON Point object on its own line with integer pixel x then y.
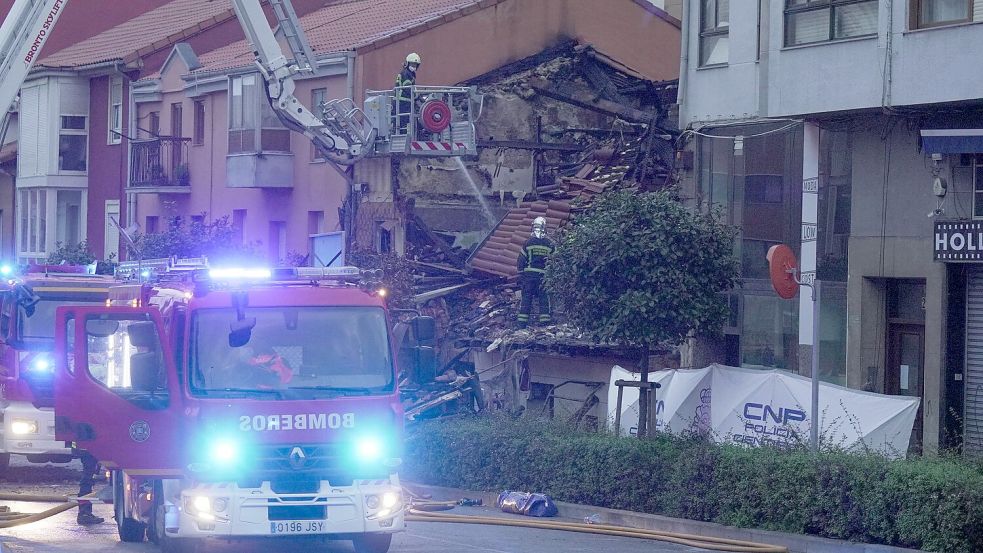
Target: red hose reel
{"type": "Point", "coordinates": [435, 115]}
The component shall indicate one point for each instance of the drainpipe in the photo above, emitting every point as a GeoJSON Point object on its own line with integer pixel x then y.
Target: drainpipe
{"type": "Point", "coordinates": [683, 63]}
{"type": "Point", "coordinates": [131, 123]}
{"type": "Point", "coordinates": [350, 74]}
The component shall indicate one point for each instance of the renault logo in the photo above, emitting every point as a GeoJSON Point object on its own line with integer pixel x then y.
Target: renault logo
{"type": "Point", "coordinates": [297, 458]}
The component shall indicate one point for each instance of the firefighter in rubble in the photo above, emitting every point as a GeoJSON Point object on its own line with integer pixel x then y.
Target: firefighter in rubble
{"type": "Point", "coordinates": [404, 80]}
{"type": "Point", "coordinates": [532, 266]}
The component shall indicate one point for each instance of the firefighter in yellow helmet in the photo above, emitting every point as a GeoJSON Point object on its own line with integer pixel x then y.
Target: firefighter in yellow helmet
{"type": "Point", "coordinates": [532, 266]}
{"type": "Point", "coordinates": [404, 81]}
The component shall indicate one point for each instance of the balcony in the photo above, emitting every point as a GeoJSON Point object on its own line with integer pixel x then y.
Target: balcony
{"type": "Point", "coordinates": [160, 166]}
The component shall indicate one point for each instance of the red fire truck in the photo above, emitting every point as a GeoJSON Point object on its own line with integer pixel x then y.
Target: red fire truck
{"type": "Point", "coordinates": [241, 403]}
{"type": "Point", "coordinates": [27, 330]}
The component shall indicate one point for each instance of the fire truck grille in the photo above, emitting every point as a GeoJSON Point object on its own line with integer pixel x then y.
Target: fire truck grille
{"type": "Point", "coordinates": [319, 461]}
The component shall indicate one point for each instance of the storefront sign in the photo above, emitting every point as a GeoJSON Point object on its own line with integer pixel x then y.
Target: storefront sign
{"type": "Point", "coordinates": [958, 241]}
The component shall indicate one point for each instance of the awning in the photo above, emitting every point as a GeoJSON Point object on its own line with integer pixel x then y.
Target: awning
{"type": "Point", "coordinates": [952, 141]}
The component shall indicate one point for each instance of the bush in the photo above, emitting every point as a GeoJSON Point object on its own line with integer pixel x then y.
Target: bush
{"type": "Point", "coordinates": [217, 239]}
{"type": "Point", "coordinates": [72, 254]}
{"type": "Point", "coordinates": [933, 504]}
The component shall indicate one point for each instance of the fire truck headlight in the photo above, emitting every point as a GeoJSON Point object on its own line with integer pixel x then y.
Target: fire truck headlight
{"type": "Point", "coordinates": [372, 502]}
{"type": "Point", "coordinates": [390, 499]}
{"type": "Point", "coordinates": [220, 504]}
{"type": "Point", "coordinates": [24, 426]}
{"type": "Point", "coordinates": [369, 449]}
{"type": "Point", "coordinates": [202, 504]}
{"type": "Point", "coordinates": [224, 453]}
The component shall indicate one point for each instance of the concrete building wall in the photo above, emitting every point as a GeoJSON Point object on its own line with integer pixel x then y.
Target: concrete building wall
{"type": "Point", "coordinates": [316, 186]}
{"type": "Point", "coordinates": [492, 37]}
{"type": "Point", "coordinates": [895, 68]}
{"type": "Point", "coordinates": [892, 238]}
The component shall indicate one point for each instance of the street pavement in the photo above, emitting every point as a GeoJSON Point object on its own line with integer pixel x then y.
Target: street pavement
{"type": "Point", "coordinates": [60, 534]}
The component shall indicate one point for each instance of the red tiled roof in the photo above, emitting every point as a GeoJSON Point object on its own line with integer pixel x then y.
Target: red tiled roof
{"type": "Point", "coordinates": [349, 25]}
{"type": "Point", "coordinates": [150, 31]}
{"type": "Point", "coordinates": [498, 254]}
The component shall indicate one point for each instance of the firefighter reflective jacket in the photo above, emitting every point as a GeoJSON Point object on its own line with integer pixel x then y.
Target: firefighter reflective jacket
{"type": "Point", "coordinates": [403, 79]}
{"type": "Point", "coordinates": [532, 259]}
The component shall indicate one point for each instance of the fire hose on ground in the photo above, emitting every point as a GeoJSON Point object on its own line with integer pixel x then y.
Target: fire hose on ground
{"type": "Point", "coordinates": [10, 519]}
{"type": "Point", "coordinates": [425, 510]}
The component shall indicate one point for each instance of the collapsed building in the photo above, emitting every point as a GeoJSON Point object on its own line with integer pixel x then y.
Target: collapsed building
{"type": "Point", "coordinates": [556, 130]}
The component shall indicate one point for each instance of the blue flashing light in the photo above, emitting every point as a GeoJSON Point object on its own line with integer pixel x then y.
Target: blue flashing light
{"type": "Point", "coordinates": [240, 273]}
{"type": "Point", "coordinates": [145, 273]}
{"type": "Point", "coordinates": [369, 449]}
{"type": "Point", "coordinates": [41, 364]}
{"type": "Point", "coordinates": [6, 270]}
{"type": "Point", "coordinates": [224, 453]}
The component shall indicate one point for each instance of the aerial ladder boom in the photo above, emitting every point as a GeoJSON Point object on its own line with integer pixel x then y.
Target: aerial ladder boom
{"type": "Point", "coordinates": [24, 31]}
{"type": "Point", "coordinates": [342, 133]}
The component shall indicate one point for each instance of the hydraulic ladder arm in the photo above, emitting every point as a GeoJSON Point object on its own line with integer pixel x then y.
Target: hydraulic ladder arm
{"type": "Point", "coordinates": [342, 134]}
{"type": "Point", "coordinates": [24, 31]}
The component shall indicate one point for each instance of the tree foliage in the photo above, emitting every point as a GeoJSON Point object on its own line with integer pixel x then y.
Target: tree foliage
{"type": "Point", "coordinates": [217, 239]}
{"type": "Point", "coordinates": [641, 269]}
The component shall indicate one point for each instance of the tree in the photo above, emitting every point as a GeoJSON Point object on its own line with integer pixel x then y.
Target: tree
{"type": "Point", "coordinates": [640, 270]}
{"type": "Point", "coordinates": [78, 253]}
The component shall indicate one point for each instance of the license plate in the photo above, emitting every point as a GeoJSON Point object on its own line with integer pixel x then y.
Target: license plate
{"type": "Point", "coordinates": [297, 527]}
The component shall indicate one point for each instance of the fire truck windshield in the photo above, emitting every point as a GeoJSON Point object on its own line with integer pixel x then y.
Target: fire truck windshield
{"type": "Point", "coordinates": [40, 326]}
{"type": "Point", "coordinates": [292, 353]}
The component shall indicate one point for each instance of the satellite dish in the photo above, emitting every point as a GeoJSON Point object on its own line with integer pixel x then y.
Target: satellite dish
{"type": "Point", "coordinates": [782, 267]}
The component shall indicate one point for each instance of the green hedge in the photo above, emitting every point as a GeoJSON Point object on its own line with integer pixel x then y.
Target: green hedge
{"type": "Point", "coordinates": [933, 504]}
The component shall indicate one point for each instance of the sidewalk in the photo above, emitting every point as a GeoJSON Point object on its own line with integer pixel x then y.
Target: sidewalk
{"type": "Point", "coordinates": [796, 543]}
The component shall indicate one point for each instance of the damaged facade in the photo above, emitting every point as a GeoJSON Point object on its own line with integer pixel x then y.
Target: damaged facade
{"type": "Point", "coordinates": [577, 123]}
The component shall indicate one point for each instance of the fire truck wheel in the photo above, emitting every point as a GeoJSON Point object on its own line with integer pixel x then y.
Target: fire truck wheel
{"type": "Point", "coordinates": [129, 530]}
{"type": "Point", "coordinates": [372, 543]}
{"type": "Point", "coordinates": [157, 534]}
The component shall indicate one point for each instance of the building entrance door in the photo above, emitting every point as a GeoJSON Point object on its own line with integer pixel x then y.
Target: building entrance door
{"type": "Point", "coordinates": [904, 374]}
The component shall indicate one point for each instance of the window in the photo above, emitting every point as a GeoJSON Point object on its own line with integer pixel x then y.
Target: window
{"type": "Point", "coordinates": [199, 137]}
{"type": "Point", "coordinates": [808, 21]}
{"type": "Point", "coordinates": [978, 186]}
{"type": "Point", "coordinates": [931, 13]}
{"type": "Point", "coordinates": [152, 225]}
{"type": "Point", "coordinates": [68, 229]}
{"type": "Point", "coordinates": [239, 224]}
{"type": "Point", "coordinates": [714, 27]}
{"type": "Point", "coordinates": [154, 124]}
{"type": "Point", "coordinates": [318, 97]}
{"type": "Point", "coordinates": [278, 241]}
{"type": "Point", "coordinates": [32, 203]}
{"type": "Point", "coordinates": [253, 127]}
{"type": "Point", "coordinates": [315, 222]}
{"type": "Point", "coordinates": [115, 110]}
{"type": "Point", "coordinates": [177, 119]}
{"type": "Point", "coordinates": [73, 143]}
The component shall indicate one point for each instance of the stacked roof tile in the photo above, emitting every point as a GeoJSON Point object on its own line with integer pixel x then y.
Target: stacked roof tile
{"type": "Point", "coordinates": [348, 25]}
{"type": "Point", "coordinates": [159, 27]}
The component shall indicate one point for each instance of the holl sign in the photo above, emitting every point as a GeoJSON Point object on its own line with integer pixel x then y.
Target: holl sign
{"type": "Point", "coordinates": [958, 241]}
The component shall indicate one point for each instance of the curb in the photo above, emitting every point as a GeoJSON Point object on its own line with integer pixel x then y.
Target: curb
{"type": "Point", "coordinates": [795, 543]}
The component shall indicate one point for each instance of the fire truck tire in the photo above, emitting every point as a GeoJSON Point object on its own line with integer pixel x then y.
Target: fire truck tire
{"type": "Point", "coordinates": [372, 543]}
{"type": "Point", "coordinates": [129, 530]}
{"type": "Point", "coordinates": [157, 534]}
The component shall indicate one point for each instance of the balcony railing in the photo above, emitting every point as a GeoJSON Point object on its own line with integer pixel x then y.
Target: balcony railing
{"type": "Point", "coordinates": [158, 162]}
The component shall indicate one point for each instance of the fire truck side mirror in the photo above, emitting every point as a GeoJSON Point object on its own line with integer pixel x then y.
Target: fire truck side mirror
{"type": "Point", "coordinates": [424, 330]}
{"type": "Point", "coordinates": [241, 331]}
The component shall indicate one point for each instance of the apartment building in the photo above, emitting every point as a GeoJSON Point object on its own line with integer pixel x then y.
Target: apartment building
{"type": "Point", "coordinates": [847, 129]}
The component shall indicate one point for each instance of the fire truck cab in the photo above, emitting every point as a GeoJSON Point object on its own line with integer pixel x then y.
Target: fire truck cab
{"type": "Point", "coordinates": [240, 403]}
{"type": "Point", "coordinates": [27, 343]}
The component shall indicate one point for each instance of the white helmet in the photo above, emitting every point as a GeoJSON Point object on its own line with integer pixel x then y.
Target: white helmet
{"type": "Point", "coordinates": [413, 58]}
{"type": "Point", "coordinates": [539, 227]}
